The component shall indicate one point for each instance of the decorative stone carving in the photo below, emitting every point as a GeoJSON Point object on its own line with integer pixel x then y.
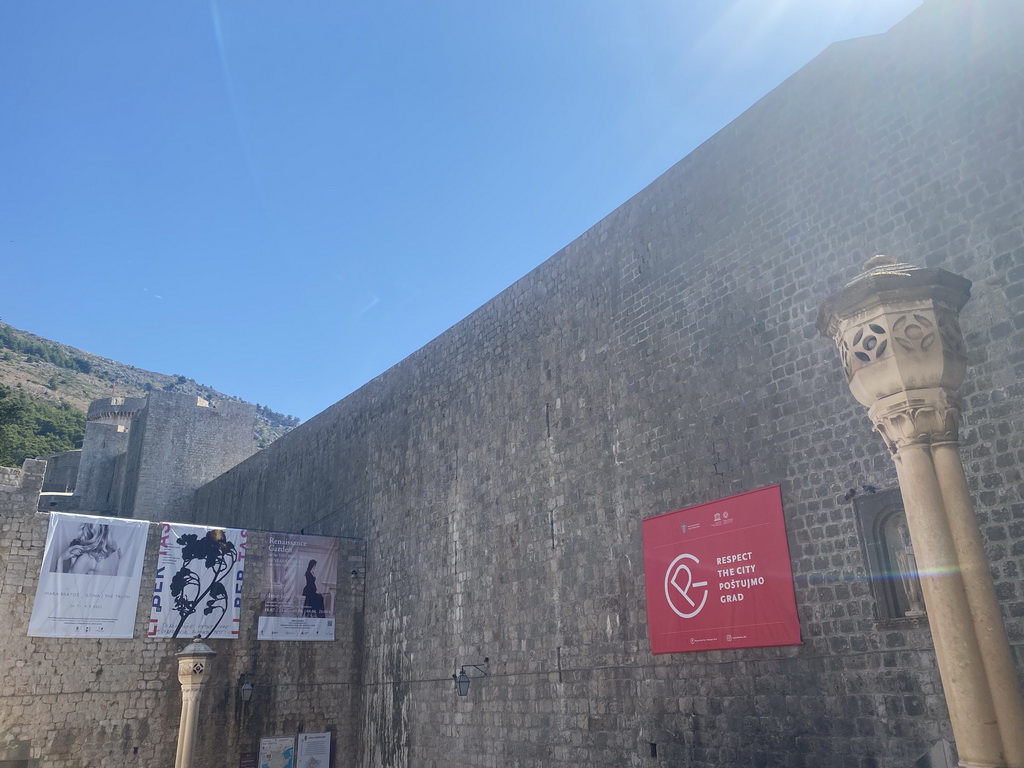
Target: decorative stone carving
{"type": "Point", "coordinates": [193, 663]}
{"type": "Point", "coordinates": [191, 695]}
{"type": "Point", "coordinates": [888, 346]}
{"type": "Point", "coordinates": [862, 344]}
{"type": "Point", "coordinates": [927, 417]}
{"type": "Point", "coordinates": [904, 356]}
{"type": "Point", "coordinates": [914, 332]}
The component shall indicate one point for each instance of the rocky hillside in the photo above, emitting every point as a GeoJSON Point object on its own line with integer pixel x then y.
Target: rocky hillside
{"type": "Point", "coordinates": [50, 371]}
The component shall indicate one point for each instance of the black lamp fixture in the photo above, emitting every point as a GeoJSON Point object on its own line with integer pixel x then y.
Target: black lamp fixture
{"type": "Point", "coordinates": [462, 680]}
{"type": "Point", "coordinates": [245, 690]}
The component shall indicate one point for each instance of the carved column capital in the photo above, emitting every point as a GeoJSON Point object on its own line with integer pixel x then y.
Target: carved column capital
{"type": "Point", "coordinates": [192, 671]}
{"type": "Point", "coordinates": [921, 417]}
{"type": "Point", "coordinates": [897, 330]}
{"type": "Point", "coordinates": [904, 355]}
{"type": "Point", "coordinates": [191, 694]}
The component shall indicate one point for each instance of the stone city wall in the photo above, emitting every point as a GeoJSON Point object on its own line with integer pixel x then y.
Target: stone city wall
{"type": "Point", "coordinates": [666, 358]}
{"type": "Point", "coordinates": [78, 703]}
{"type": "Point", "coordinates": [62, 471]}
{"type": "Point", "coordinates": [177, 443]}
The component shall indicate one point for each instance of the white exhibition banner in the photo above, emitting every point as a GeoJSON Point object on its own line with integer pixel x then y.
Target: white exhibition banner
{"type": "Point", "coordinates": [278, 752]}
{"type": "Point", "coordinates": [90, 577]}
{"type": "Point", "coordinates": [314, 751]}
{"type": "Point", "coordinates": [198, 590]}
{"type": "Point", "coordinates": [300, 588]}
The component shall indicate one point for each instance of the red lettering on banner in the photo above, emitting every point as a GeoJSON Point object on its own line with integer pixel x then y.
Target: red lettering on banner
{"type": "Point", "coordinates": [718, 576]}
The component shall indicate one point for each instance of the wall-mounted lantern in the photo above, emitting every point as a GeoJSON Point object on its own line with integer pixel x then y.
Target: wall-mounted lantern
{"type": "Point", "coordinates": [462, 680]}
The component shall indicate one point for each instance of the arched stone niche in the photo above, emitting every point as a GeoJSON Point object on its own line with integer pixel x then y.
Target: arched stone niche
{"type": "Point", "coordinates": [890, 557]}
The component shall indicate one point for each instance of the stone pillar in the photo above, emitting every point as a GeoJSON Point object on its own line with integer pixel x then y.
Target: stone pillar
{"type": "Point", "coordinates": [898, 333]}
{"type": "Point", "coordinates": [193, 671]}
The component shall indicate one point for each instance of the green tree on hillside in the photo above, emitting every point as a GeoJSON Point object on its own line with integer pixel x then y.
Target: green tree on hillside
{"type": "Point", "coordinates": [41, 350]}
{"type": "Point", "coordinates": [30, 427]}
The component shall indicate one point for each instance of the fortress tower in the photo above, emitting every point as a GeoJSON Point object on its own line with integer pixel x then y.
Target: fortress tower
{"type": "Point", "coordinates": [176, 444]}
{"type": "Point", "coordinates": [144, 456]}
{"type": "Point", "coordinates": [108, 424]}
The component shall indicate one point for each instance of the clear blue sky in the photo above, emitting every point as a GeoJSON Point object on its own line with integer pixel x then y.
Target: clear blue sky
{"type": "Point", "coordinates": [283, 199]}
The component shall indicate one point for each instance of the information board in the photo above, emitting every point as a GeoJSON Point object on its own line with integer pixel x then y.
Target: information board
{"type": "Point", "coordinates": [314, 750]}
{"type": "Point", "coordinates": [718, 576]}
{"type": "Point", "coordinates": [277, 752]}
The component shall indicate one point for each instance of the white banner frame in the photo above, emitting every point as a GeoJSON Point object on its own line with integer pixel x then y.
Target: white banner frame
{"type": "Point", "coordinates": [90, 577]}
{"type": "Point", "coordinates": [299, 596]}
{"type": "Point", "coordinates": [198, 586]}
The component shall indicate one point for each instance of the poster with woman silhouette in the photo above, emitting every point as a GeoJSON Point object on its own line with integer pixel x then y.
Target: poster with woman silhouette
{"type": "Point", "coordinates": [198, 588]}
{"type": "Point", "coordinates": [90, 577]}
{"type": "Point", "coordinates": [300, 588]}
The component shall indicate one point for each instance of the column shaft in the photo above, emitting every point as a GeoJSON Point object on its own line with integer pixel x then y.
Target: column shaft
{"type": "Point", "coordinates": [956, 645]}
{"type": "Point", "coordinates": [187, 729]}
{"type": "Point", "coordinates": [179, 755]}
{"type": "Point", "coordinates": [981, 597]}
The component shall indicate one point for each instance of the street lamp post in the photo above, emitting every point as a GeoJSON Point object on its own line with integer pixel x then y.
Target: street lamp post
{"type": "Point", "coordinates": [193, 671]}
{"type": "Point", "coordinates": [898, 333]}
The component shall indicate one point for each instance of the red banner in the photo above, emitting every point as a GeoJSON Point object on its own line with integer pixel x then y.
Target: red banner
{"type": "Point", "coordinates": [719, 576]}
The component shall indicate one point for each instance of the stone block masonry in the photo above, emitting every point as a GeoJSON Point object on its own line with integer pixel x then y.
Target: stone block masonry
{"type": "Point", "coordinates": [100, 476]}
{"type": "Point", "coordinates": [177, 443]}
{"type": "Point", "coordinates": [74, 703]}
{"type": "Point", "coordinates": [669, 357]}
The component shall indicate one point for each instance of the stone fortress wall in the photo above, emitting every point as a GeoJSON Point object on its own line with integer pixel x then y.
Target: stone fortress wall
{"type": "Point", "coordinates": [183, 441]}
{"type": "Point", "coordinates": [101, 474]}
{"type": "Point", "coordinates": [80, 703]}
{"type": "Point", "coordinates": [144, 456]}
{"type": "Point", "coordinates": [669, 357]}
{"type": "Point", "coordinates": [497, 478]}
{"type": "Point", "coordinates": [62, 472]}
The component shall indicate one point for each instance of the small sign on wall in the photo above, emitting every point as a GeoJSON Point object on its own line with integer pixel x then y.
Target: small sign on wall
{"type": "Point", "coordinates": [277, 752]}
{"type": "Point", "coordinates": [314, 750]}
{"type": "Point", "coordinates": [90, 578]}
{"type": "Point", "coordinates": [300, 592]}
{"type": "Point", "coordinates": [718, 576]}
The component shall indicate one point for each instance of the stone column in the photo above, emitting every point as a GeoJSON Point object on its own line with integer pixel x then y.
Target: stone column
{"type": "Point", "coordinates": [898, 334]}
{"type": "Point", "coordinates": [193, 671]}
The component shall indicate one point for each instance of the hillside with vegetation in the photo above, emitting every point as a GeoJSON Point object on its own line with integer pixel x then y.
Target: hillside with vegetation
{"type": "Point", "coordinates": [46, 388]}
{"type": "Point", "coordinates": [31, 427]}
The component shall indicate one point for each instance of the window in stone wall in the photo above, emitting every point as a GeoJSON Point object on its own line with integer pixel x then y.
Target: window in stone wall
{"type": "Point", "coordinates": [890, 556]}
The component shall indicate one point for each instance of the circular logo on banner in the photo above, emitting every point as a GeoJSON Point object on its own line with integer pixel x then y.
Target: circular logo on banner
{"type": "Point", "coordinates": [685, 596]}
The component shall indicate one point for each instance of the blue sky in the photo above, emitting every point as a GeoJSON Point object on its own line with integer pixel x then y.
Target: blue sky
{"type": "Point", "coordinates": [283, 199]}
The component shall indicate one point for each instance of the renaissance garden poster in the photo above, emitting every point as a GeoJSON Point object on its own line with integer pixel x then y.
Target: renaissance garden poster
{"type": "Point", "coordinates": [90, 577]}
{"type": "Point", "coordinates": [198, 590]}
{"type": "Point", "coordinates": [301, 588]}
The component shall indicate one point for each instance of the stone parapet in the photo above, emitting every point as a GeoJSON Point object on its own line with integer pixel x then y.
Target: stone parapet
{"type": "Point", "coordinates": [117, 410]}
